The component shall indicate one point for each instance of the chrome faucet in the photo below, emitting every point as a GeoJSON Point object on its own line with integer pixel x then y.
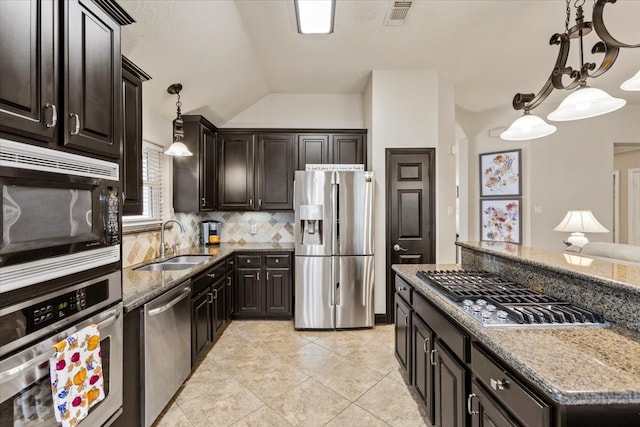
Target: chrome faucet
{"type": "Point", "coordinates": [163, 245]}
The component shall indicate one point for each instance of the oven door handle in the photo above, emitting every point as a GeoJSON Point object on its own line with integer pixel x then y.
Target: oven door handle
{"type": "Point", "coordinates": [107, 322]}
{"type": "Point", "coordinates": [42, 358]}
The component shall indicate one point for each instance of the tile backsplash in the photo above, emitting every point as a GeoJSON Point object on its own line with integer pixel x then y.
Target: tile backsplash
{"type": "Point", "coordinates": [236, 228]}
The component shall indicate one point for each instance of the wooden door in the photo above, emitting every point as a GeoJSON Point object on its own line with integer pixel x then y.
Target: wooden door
{"type": "Point", "coordinates": [28, 69]}
{"type": "Point", "coordinates": [411, 221]}
{"type": "Point", "coordinates": [249, 292]}
{"type": "Point", "coordinates": [348, 149]}
{"type": "Point", "coordinates": [311, 149]}
{"type": "Point", "coordinates": [92, 79]}
{"type": "Point", "coordinates": [278, 292]}
{"type": "Point", "coordinates": [131, 144]}
{"type": "Point", "coordinates": [208, 179]}
{"type": "Point", "coordinates": [275, 172]}
{"type": "Point", "coordinates": [236, 176]}
{"type": "Point", "coordinates": [219, 307]}
{"type": "Point", "coordinates": [450, 389]}
{"type": "Point", "coordinates": [422, 344]}
{"type": "Point", "coordinates": [200, 324]}
{"type": "Point", "coordinates": [403, 335]}
{"type": "Point", "coordinates": [230, 299]}
{"type": "Point", "coordinates": [486, 411]}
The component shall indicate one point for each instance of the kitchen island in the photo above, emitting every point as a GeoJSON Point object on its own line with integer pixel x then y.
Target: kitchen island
{"type": "Point", "coordinates": [552, 376]}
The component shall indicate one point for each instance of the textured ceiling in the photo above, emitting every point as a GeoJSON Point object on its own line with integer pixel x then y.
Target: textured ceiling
{"type": "Point", "coordinates": [229, 54]}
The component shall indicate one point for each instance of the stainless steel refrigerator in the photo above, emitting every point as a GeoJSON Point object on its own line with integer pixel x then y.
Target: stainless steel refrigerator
{"type": "Point", "coordinates": [334, 249]}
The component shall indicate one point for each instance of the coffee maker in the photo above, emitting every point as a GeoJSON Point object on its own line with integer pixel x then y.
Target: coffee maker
{"type": "Point", "coordinates": [211, 231]}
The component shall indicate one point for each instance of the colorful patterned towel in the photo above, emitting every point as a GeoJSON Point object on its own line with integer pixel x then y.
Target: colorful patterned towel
{"type": "Point", "coordinates": [76, 376]}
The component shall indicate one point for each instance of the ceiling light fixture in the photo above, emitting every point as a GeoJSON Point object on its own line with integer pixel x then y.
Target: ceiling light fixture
{"type": "Point", "coordinates": [177, 148]}
{"type": "Point", "coordinates": [633, 84]}
{"type": "Point", "coordinates": [585, 101]}
{"type": "Point", "coordinates": [315, 16]}
{"type": "Point", "coordinates": [527, 127]}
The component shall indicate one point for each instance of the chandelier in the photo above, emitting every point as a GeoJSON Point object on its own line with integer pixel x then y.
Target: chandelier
{"type": "Point", "coordinates": [584, 101]}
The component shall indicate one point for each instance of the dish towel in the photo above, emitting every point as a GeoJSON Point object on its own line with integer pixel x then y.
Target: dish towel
{"type": "Point", "coordinates": [76, 376]}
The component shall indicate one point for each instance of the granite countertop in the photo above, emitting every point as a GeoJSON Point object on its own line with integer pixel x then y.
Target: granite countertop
{"type": "Point", "coordinates": [140, 287]}
{"type": "Point", "coordinates": [621, 276]}
{"type": "Point", "coordinates": [574, 366]}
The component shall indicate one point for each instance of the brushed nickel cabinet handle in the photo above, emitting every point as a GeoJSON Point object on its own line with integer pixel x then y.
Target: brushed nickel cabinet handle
{"type": "Point", "coordinates": [54, 115]}
{"type": "Point", "coordinates": [76, 130]}
{"type": "Point", "coordinates": [212, 275]}
{"type": "Point", "coordinates": [210, 298]}
{"type": "Point", "coordinates": [258, 276]}
{"type": "Point", "coordinates": [251, 202]}
{"type": "Point", "coordinates": [406, 320]}
{"type": "Point", "coordinates": [432, 357]}
{"type": "Point", "coordinates": [498, 384]}
{"type": "Point", "coordinates": [469, 405]}
{"type": "Point", "coordinates": [259, 203]}
{"type": "Point", "coordinates": [424, 345]}
{"type": "Point", "coordinates": [267, 276]}
{"type": "Point", "coordinates": [229, 281]}
{"type": "Point", "coordinates": [204, 202]}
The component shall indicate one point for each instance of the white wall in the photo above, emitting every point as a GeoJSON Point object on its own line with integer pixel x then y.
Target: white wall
{"type": "Point", "coordinates": [156, 129]}
{"type": "Point", "coordinates": [571, 169]}
{"type": "Point", "coordinates": [412, 108]}
{"type": "Point", "coordinates": [286, 110]}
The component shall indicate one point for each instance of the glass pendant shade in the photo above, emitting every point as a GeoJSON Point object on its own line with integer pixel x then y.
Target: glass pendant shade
{"type": "Point", "coordinates": [584, 103]}
{"type": "Point", "coordinates": [178, 149]}
{"type": "Point", "coordinates": [633, 84]}
{"type": "Point", "coordinates": [527, 127]}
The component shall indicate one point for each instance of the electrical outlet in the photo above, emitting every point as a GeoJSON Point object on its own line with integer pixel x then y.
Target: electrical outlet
{"type": "Point", "coordinates": [254, 228]}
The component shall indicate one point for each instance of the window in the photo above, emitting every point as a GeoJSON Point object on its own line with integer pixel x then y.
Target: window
{"type": "Point", "coordinates": [151, 186]}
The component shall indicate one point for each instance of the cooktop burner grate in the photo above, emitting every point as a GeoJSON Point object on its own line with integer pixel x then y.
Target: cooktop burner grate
{"type": "Point", "coordinates": [496, 302]}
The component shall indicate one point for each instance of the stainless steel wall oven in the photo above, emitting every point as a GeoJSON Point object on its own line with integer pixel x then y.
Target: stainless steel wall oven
{"type": "Point", "coordinates": [60, 214]}
{"type": "Point", "coordinates": [29, 329]}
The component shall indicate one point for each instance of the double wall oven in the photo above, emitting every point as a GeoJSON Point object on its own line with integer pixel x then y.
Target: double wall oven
{"type": "Point", "coordinates": [60, 271]}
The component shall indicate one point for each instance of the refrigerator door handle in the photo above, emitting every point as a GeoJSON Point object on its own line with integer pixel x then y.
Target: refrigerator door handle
{"type": "Point", "coordinates": [338, 293]}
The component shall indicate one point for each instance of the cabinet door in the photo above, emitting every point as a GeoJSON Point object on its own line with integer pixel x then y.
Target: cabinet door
{"type": "Point", "coordinates": [275, 172]}
{"type": "Point", "coordinates": [422, 344]}
{"type": "Point", "coordinates": [230, 296]}
{"type": "Point", "coordinates": [486, 412]}
{"type": "Point", "coordinates": [132, 144]}
{"type": "Point", "coordinates": [201, 334]}
{"type": "Point", "coordinates": [278, 292]}
{"type": "Point", "coordinates": [311, 149]}
{"type": "Point", "coordinates": [348, 149]}
{"type": "Point", "coordinates": [236, 176]}
{"type": "Point", "coordinates": [92, 79]}
{"type": "Point", "coordinates": [219, 307]}
{"type": "Point", "coordinates": [403, 335]}
{"type": "Point", "coordinates": [450, 389]}
{"type": "Point", "coordinates": [28, 68]}
{"type": "Point", "coordinates": [208, 169]}
{"type": "Point", "coordinates": [249, 293]}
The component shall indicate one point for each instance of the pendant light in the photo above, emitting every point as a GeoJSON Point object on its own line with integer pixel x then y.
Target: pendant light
{"type": "Point", "coordinates": [633, 84]}
{"type": "Point", "coordinates": [177, 148]}
{"type": "Point", "coordinates": [586, 102]}
{"type": "Point", "coordinates": [527, 127]}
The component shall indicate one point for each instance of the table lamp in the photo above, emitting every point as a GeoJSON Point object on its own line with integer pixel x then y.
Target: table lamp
{"type": "Point", "coordinates": [577, 223]}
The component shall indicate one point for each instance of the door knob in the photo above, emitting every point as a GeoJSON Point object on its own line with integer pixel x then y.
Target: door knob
{"type": "Point", "coordinates": [399, 248]}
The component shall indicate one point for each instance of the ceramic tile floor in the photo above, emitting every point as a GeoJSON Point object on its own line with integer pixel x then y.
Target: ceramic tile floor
{"type": "Point", "coordinates": [265, 373]}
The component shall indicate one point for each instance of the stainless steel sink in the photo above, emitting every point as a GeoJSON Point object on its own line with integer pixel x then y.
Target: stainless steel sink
{"type": "Point", "coordinates": [164, 266]}
{"type": "Point", "coordinates": [188, 259]}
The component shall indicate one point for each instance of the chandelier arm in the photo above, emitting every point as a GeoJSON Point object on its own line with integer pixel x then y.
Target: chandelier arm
{"type": "Point", "coordinates": [601, 29]}
{"type": "Point", "coordinates": [610, 56]}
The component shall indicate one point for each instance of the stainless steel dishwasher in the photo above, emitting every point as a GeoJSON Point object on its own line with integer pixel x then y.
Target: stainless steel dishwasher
{"type": "Point", "coordinates": [167, 349]}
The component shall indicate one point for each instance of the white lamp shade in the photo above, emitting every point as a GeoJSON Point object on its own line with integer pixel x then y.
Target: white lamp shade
{"type": "Point", "coordinates": [582, 222]}
{"type": "Point", "coordinates": [527, 127]}
{"type": "Point", "coordinates": [178, 149]}
{"type": "Point", "coordinates": [584, 103]}
{"type": "Point", "coordinates": [632, 84]}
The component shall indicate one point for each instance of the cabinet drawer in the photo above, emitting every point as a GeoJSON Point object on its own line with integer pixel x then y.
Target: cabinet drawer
{"type": "Point", "coordinates": [514, 395]}
{"type": "Point", "coordinates": [249, 260]}
{"type": "Point", "coordinates": [403, 289]}
{"type": "Point", "coordinates": [455, 339]}
{"type": "Point", "coordinates": [217, 271]}
{"type": "Point", "coordinates": [279, 260]}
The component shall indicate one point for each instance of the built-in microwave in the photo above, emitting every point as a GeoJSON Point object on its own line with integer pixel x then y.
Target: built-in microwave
{"type": "Point", "coordinates": [60, 214]}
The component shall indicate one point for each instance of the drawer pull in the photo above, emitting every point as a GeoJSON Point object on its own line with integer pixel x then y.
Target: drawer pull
{"type": "Point", "coordinates": [469, 405]}
{"type": "Point", "coordinates": [498, 384]}
{"type": "Point", "coordinates": [432, 357]}
{"type": "Point", "coordinates": [212, 275]}
{"type": "Point", "coordinates": [424, 345]}
{"type": "Point", "coordinates": [404, 288]}
{"type": "Point", "coordinates": [277, 260]}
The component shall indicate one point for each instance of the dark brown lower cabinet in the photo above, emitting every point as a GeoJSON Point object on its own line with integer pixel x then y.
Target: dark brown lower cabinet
{"type": "Point", "coordinates": [219, 303]}
{"type": "Point", "coordinates": [486, 412]}
{"type": "Point", "coordinates": [422, 343]}
{"type": "Point", "coordinates": [403, 335]}
{"type": "Point", "coordinates": [200, 324]}
{"type": "Point", "coordinates": [450, 390]}
{"type": "Point", "coordinates": [249, 292]}
{"type": "Point", "coordinates": [278, 291]}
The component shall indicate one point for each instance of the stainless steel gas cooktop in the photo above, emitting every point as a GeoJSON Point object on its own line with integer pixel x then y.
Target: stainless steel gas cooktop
{"type": "Point", "coordinates": [495, 302]}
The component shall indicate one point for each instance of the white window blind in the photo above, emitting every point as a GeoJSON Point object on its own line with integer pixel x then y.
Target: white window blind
{"type": "Point", "coordinates": [151, 185]}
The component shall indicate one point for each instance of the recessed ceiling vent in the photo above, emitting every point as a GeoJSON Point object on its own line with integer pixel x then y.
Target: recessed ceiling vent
{"type": "Point", "coordinates": [398, 12]}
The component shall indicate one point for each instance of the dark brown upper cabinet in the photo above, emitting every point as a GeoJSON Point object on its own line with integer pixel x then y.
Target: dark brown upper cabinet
{"type": "Point", "coordinates": [60, 74]}
{"type": "Point", "coordinates": [29, 104]}
{"type": "Point", "coordinates": [333, 147]}
{"type": "Point", "coordinates": [194, 177]}
{"type": "Point", "coordinates": [256, 171]}
{"type": "Point", "coordinates": [92, 78]}
{"type": "Point", "coordinates": [131, 171]}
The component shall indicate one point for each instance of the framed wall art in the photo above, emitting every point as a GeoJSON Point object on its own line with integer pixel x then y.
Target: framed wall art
{"type": "Point", "coordinates": [500, 220]}
{"type": "Point", "coordinates": [500, 174]}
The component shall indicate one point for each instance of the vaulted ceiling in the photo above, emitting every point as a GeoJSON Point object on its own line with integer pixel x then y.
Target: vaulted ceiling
{"type": "Point", "coordinates": [229, 54]}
